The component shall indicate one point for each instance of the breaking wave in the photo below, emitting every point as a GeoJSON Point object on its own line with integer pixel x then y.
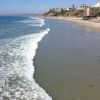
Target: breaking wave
{"type": "Point", "coordinates": [36, 22]}
{"type": "Point", "coordinates": [17, 70]}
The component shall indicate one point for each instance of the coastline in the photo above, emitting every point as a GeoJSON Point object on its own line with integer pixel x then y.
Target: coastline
{"type": "Point", "coordinates": [93, 24]}
{"type": "Point", "coordinates": [67, 62]}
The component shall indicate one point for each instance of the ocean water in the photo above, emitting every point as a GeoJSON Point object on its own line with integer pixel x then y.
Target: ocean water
{"type": "Point", "coordinates": [19, 38]}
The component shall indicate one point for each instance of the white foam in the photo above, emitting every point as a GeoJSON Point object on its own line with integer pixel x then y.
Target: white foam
{"type": "Point", "coordinates": [30, 50]}
{"type": "Point", "coordinates": [16, 80]}
{"type": "Point", "coordinates": [42, 21]}
{"type": "Point", "coordinates": [34, 21]}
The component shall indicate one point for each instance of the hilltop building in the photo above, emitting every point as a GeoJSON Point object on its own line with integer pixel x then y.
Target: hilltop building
{"type": "Point", "coordinates": [97, 5]}
{"type": "Point", "coordinates": [82, 7]}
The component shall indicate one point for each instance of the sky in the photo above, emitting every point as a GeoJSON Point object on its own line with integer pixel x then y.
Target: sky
{"type": "Point", "coordinates": [37, 6]}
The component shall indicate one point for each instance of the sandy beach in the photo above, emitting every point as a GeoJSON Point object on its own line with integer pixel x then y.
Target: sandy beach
{"type": "Point", "coordinates": [67, 63]}
{"type": "Point", "coordinates": [94, 24]}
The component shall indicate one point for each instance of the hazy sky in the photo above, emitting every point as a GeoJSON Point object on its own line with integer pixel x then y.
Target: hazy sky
{"type": "Point", "coordinates": [33, 6]}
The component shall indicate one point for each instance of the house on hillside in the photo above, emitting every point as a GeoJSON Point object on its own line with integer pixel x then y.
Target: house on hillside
{"type": "Point", "coordinates": [82, 7]}
{"type": "Point", "coordinates": [97, 5]}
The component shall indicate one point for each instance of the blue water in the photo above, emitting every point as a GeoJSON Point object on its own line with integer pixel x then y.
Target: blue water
{"type": "Point", "coordinates": [19, 37]}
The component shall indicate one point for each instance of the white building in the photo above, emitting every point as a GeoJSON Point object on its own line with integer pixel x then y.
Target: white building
{"type": "Point", "coordinates": [97, 5]}
{"type": "Point", "coordinates": [82, 7]}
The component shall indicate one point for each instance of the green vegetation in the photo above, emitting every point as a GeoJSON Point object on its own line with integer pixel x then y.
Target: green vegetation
{"type": "Point", "coordinates": [95, 11]}
{"type": "Point", "coordinates": [64, 12]}
{"type": "Point", "coordinates": [72, 12]}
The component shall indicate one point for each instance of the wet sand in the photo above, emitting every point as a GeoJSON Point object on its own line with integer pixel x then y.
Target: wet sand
{"type": "Point", "coordinates": [68, 62]}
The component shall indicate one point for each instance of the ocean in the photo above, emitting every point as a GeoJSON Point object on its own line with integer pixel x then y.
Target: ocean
{"type": "Point", "coordinates": [47, 59]}
{"type": "Point", "coordinates": [19, 38]}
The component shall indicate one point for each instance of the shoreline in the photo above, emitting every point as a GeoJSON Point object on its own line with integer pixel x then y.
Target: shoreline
{"type": "Point", "coordinates": [93, 24]}
{"type": "Point", "coordinates": [67, 61]}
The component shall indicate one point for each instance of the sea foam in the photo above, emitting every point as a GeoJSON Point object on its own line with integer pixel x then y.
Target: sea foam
{"type": "Point", "coordinates": [32, 22]}
{"type": "Point", "coordinates": [17, 70]}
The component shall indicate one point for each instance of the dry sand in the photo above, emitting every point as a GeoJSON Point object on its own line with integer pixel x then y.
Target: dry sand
{"type": "Point", "coordinates": [92, 24]}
